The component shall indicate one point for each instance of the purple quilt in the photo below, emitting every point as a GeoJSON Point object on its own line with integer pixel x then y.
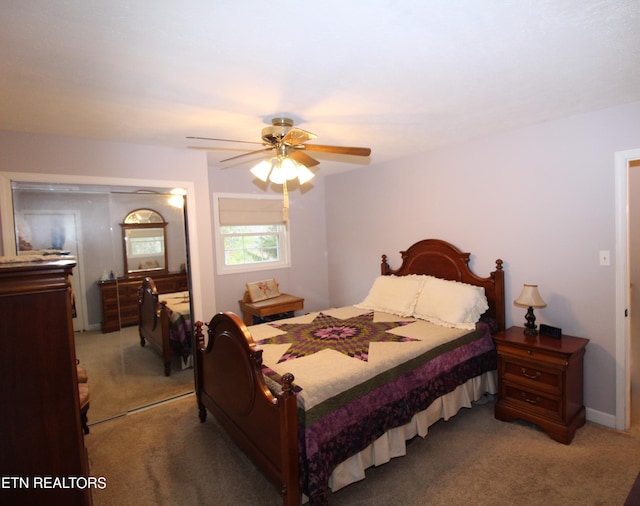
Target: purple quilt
{"type": "Point", "coordinates": [345, 424]}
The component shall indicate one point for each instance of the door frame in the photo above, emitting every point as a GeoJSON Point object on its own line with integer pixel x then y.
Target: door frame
{"type": "Point", "coordinates": [623, 295]}
{"type": "Point", "coordinates": [80, 322]}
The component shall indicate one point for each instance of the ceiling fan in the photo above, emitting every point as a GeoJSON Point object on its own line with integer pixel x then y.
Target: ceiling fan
{"type": "Point", "coordinates": [290, 160]}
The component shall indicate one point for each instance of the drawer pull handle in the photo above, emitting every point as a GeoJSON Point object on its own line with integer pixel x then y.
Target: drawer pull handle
{"type": "Point", "coordinates": [531, 401]}
{"type": "Point", "coordinates": [530, 376]}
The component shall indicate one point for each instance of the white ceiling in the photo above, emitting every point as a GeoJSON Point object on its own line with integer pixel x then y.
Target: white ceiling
{"type": "Point", "coordinates": [401, 77]}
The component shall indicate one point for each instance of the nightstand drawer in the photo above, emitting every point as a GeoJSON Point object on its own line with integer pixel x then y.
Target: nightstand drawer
{"type": "Point", "coordinates": [532, 374]}
{"type": "Point", "coordinates": [547, 406]}
{"type": "Point", "coordinates": [531, 353]}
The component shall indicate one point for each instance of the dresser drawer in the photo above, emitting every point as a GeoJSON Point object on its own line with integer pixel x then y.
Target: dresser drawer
{"type": "Point", "coordinates": [128, 292]}
{"type": "Point", "coordinates": [129, 315]}
{"type": "Point", "coordinates": [535, 402]}
{"type": "Point", "coordinates": [110, 305]}
{"type": "Point", "coordinates": [532, 374]}
{"type": "Point", "coordinates": [120, 297]}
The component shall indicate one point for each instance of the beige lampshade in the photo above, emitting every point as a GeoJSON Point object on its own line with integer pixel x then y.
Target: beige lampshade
{"type": "Point", "coordinates": [529, 297]}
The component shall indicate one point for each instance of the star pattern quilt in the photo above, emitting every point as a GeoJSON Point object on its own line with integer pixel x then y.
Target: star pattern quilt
{"type": "Point", "coordinates": [358, 374]}
{"type": "Point", "coordinates": [351, 336]}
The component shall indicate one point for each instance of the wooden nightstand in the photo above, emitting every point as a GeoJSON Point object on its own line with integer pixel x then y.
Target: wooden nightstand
{"type": "Point", "coordinates": [540, 381]}
{"type": "Point", "coordinates": [283, 303]}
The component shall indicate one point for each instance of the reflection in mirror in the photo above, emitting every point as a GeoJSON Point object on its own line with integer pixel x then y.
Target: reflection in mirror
{"type": "Point", "coordinates": [144, 241]}
{"type": "Point", "coordinates": [144, 249]}
{"type": "Point", "coordinates": [85, 221]}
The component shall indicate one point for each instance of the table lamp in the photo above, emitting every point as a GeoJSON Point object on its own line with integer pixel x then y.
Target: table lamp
{"type": "Point", "coordinates": [530, 298]}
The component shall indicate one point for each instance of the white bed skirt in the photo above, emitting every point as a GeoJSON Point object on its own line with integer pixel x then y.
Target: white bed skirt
{"type": "Point", "coordinates": [393, 443]}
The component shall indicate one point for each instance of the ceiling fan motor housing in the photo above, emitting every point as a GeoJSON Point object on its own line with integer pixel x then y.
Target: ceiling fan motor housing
{"type": "Point", "coordinates": [280, 127]}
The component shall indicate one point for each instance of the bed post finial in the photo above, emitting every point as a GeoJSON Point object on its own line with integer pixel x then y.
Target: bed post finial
{"type": "Point", "coordinates": [199, 335]}
{"type": "Point", "coordinates": [384, 266]}
{"type": "Point", "coordinates": [499, 264]}
{"type": "Point", "coordinates": [287, 385]}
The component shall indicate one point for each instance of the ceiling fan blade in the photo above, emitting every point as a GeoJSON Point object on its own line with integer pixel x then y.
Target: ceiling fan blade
{"type": "Point", "coordinates": [341, 150]}
{"type": "Point", "coordinates": [297, 136]}
{"type": "Point", "coordinates": [223, 140]}
{"type": "Point", "coordinates": [303, 158]}
{"type": "Point", "coordinates": [249, 153]}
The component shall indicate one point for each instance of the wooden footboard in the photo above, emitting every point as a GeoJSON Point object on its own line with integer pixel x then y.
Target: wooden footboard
{"type": "Point", "coordinates": [154, 322]}
{"type": "Point", "coordinates": [230, 384]}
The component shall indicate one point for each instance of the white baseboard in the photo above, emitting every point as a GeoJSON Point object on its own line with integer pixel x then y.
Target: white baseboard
{"type": "Point", "coordinates": [94, 326]}
{"type": "Point", "coordinates": [601, 418]}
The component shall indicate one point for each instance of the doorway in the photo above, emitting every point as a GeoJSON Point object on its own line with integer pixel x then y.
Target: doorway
{"type": "Point", "coordinates": [60, 230]}
{"type": "Point", "coordinates": [627, 166]}
{"type": "Point", "coordinates": [634, 289]}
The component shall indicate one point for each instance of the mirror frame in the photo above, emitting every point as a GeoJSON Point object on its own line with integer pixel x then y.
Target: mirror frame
{"type": "Point", "coordinates": [128, 272]}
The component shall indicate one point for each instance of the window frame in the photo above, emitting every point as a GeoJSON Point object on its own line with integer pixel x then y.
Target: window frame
{"type": "Point", "coordinates": [283, 234]}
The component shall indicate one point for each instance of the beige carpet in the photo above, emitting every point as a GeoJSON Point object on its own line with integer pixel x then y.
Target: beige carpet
{"type": "Point", "coordinates": [124, 376]}
{"type": "Point", "coordinates": [165, 456]}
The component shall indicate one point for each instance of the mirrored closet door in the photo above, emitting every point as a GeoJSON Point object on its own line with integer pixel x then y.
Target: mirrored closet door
{"type": "Point", "coordinates": [88, 222]}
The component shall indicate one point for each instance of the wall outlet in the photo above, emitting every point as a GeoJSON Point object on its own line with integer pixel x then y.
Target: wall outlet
{"type": "Point", "coordinates": [605, 258]}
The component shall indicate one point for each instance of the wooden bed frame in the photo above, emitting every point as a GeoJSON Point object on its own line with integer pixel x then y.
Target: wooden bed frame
{"type": "Point", "coordinates": [153, 322]}
{"type": "Point", "coordinates": [230, 383]}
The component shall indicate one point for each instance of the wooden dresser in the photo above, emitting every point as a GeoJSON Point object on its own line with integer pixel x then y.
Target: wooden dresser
{"type": "Point", "coordinates": [540, 381]}
{"type": "Point", "coordinates": [40, 422]}
{"type": "Point", "coordinates": [120, 297]}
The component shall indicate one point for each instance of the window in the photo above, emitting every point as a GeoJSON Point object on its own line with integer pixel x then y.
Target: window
{"type": "Point", "coordinates": [251, 233]}
{"type": "Point", "coordinates": [143, 246]}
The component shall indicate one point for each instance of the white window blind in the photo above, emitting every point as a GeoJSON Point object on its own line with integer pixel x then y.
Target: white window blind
{"type": "Point", "coordinates": [251, 233]}
{"type": "Point", "coordinates": [249, 211]}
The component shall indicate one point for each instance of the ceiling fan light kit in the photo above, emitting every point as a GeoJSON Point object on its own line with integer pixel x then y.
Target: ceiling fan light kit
{"type": "Point", "coordinates": [280, 171]}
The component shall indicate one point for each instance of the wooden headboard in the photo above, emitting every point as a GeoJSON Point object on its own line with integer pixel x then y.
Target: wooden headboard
{"type": "Point", "coordinates": [441, 259]}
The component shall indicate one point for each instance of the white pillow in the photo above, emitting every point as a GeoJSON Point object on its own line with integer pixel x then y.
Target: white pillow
{"type": "Point", "coordinates": [450, 303]}
{"type": "Point", "coordinates": [393, 294]}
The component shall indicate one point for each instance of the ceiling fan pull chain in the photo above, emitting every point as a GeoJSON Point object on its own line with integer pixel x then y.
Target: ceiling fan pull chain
{"type": "Point", "coordinates": [285, 204]}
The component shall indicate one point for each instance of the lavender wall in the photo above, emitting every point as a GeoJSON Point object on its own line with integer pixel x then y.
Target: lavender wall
{"type": "Point", "coordinates": [540, 198]}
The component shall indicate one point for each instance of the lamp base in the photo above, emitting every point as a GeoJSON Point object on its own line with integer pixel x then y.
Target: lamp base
{"type": "Point", "coordinates": [530, 327]}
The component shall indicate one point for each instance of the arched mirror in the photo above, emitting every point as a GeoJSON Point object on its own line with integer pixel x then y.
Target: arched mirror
{"type": "Point", "coordinates": [144, 242]}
